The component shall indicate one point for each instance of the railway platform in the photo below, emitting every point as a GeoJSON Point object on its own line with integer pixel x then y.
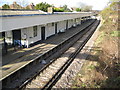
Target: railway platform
{"type": "Point", "coordinates": [15, 60]}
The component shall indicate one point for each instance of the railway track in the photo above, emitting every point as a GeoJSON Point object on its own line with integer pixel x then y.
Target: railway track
{"type": "Point", "coordinates": [49, 74]}
{"type": "Point", "coordinates": [22, 74]}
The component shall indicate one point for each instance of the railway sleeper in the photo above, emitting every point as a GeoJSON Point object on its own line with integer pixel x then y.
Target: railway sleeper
{"type": "Point", "coordinates": [41, 58]}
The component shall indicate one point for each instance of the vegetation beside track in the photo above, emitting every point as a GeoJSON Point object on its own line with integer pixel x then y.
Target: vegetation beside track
{"type": "Point", "coordinates": [102, 67]}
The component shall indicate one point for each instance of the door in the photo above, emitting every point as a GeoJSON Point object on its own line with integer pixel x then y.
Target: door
{"type": "Point", "coordinates": [66, 24]}
{"type": "Point", "coordinates": [55, 28]}
{"type": "Point", "coordinates": [42, 33]}
{"type": "Point", "coordinates": [3, 36]}
{"type": "Point", "coordinates": [3, 43]}
{"type": "Point", "coordinates": [16, 37]}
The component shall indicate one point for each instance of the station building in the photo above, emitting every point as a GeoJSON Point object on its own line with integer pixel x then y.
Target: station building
{"type": "Point", "coordinates": [24, 28]}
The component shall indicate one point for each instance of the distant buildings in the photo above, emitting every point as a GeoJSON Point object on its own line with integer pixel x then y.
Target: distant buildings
{"type": "Point", "coordinates": [30, 7]}
{"type": "Point", "coordinates": [17, 6]}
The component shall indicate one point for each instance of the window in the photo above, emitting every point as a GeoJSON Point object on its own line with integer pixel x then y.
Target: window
{"type": "Point", "coordinates": [35, 31]}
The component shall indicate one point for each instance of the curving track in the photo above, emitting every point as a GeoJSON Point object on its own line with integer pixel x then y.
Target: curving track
{"type": "Point", "coordinates": [49, 75]}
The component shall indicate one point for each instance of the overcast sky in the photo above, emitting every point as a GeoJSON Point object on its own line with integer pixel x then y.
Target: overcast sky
{"type": "Point", "coordinates": [97, 4]}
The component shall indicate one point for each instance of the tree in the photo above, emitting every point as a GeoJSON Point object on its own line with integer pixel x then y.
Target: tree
{"type": "Point", "coordinates": [114, 1]}
{"type": "Point", "coordinates": [65, 8]}
{"type": "Point", "coordinates": [42, 6]}
{"type": "Point", "coordinates": [5, 6]}
{"type": "Point", "coordinates": [78, 9]}
{"type": "Point", "coordinates": [58, 9]}
{"type": "Point", "coordinates": [114, 5]}
{"type": "Point", "coordinates": [111, 9]}
{"type": "Point", "coordinates": [84, 7]}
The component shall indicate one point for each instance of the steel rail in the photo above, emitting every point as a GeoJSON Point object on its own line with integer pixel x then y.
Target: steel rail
{"type": "Point", "coordinates": [54, 79]}
{"type": "Point", "coordinates": [61, 70]}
